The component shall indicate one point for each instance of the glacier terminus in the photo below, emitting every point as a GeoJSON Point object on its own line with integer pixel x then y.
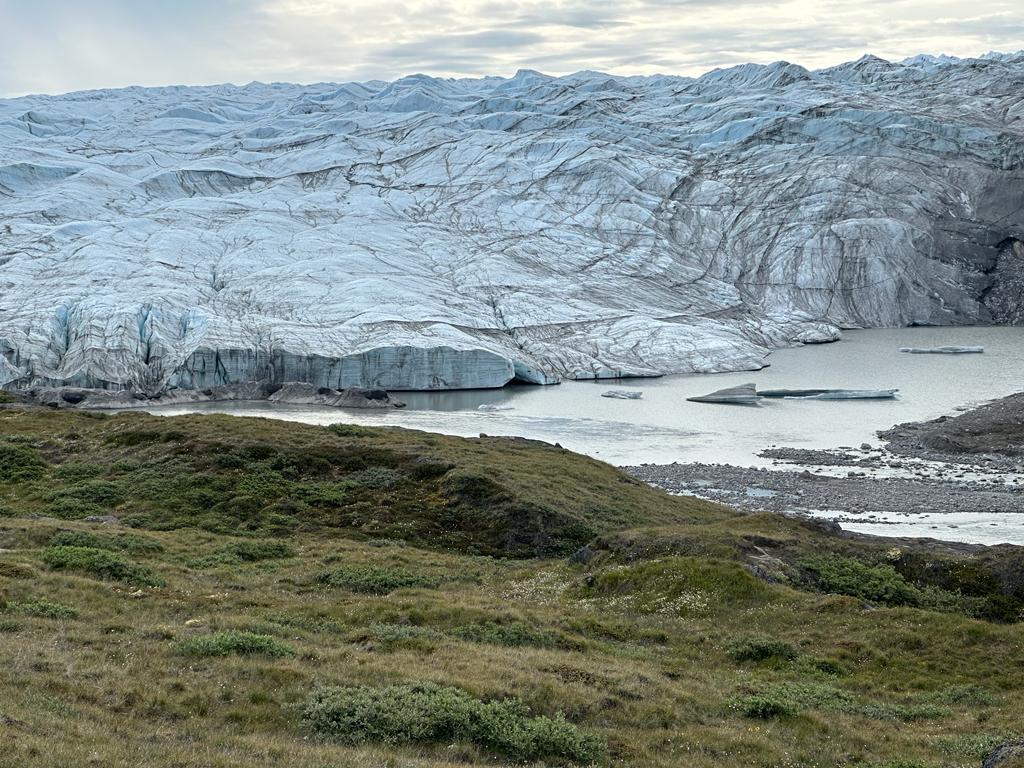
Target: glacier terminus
{"type": "Point", "coordinates": [460, 233]}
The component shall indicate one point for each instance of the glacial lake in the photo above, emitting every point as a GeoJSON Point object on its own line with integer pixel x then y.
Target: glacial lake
{"type": "Point", "coordinates": [663, 427]}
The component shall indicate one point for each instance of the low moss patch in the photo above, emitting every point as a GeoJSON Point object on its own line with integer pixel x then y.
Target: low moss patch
{"type": "Point", "coordinates": [432, 714]}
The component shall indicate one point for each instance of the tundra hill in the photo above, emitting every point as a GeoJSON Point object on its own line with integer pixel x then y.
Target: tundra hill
{"type": "Point", "coordinates": [310, 596]}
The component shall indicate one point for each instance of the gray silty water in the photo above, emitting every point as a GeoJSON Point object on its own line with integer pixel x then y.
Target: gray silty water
{"type": "Point", "coordinates": [663, 427]}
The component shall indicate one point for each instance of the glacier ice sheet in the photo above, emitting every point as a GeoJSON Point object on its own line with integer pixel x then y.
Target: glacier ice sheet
{"type": "Point", "coordinates": [455, 233]}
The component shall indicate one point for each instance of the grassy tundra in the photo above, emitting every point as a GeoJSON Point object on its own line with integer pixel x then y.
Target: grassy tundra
{"type": "Point", "coordinates": [280, 594]}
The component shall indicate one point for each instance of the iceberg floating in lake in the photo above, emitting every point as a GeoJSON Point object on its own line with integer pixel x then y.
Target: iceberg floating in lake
{"type": "Point", "coordinates": [747, 394]}
{"type": "Point", "coordinates": [622, 394]}
{"type": "Point", "coordinates": [943, 350]}
{"type": "Point", "coordinates": [848, 394]}
{"type": "Point", "coordinates": [744, 394]}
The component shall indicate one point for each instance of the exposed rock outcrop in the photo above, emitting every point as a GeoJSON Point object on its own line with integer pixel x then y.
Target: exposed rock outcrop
{"type": "Point", "coordinates": [432, 233]}
{"type": "Point", "coordinates": [1005, 298]}
{"type": "Point", "coordinates": [1008, 755]}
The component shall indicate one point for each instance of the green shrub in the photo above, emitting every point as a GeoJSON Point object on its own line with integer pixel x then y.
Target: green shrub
{"type": "Point", "coordinates": [243, 552]}
{"type": "Point", "coordinates": [253, 551]}
{"type": "Point", "coordinates": [968, 695]}
{"type": "Point", "coordinates": [972, 746]}
{"type": "Point", "coordinates": [74, 471]}
{"type": "Point", "coordinates": [392, 636]}
{"type": "Point", "coordinates": [125, 542]}
{"type": "Point", "coordinates": [19, 463]}
{"type": "Point", "coordinates": [373, 580]}
{"type": "Point", "coordinates": [86, 497]}
{"type": "Point", "coordinates": [237, 643]}
{"type": "Point", "coordinates": [305, 623]}
{"type": "Point", "coordinates": [762, 707]}
{"type": "Point", "coordinates": [42, 609]}
{"type": "Point", "coordinates": [875, 583]}
{"type": "Point", "coordinates": [375, 478]}
{"type": "Point", "coordinates": [350, 430]}
{"type": "Point", "coordinates": [92, 491]}
{"type": "Point", "coordinates": [515, 633]}
{"type": "Point", "coordinates": [99, 563]}
{"type": "Point", "coordinates": [135, 437]}
{"type": "Point", "coordinates": [799, 696]}
{"type": "Point", "coordinates": [759, 649]}
{"type": "Point", "coordinates": [214, 560]}
{"type": "Point", "coordinates": [431, 714]}
{"type": "Point", "coordinates": [262, 483]}
{"type": "Point", "coordinates": [824, 666]}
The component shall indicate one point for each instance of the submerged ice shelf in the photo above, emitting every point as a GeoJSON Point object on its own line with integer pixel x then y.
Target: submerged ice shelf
{"type": "Point", "coordinates": [442, 234]}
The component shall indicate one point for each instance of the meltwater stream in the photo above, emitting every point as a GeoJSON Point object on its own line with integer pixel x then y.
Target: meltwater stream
{"type": "Point", "coordinates": [662, 427]}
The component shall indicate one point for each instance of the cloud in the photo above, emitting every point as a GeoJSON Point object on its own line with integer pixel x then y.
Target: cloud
{"type": "Point", "coordinates": [54, 45]}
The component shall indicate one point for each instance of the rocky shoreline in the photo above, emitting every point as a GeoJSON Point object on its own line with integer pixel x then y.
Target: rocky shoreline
{"type": "Point", "coordinates": [991, 435]}
{"type": "Point", "coordinates": [969, 464]}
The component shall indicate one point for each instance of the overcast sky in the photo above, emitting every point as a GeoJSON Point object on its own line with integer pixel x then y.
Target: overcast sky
{"type": "Point", "coordinates": [61, 45]}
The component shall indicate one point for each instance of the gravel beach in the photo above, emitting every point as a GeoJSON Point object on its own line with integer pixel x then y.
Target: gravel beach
{"type": "Point", "coordinates": [971, 464]}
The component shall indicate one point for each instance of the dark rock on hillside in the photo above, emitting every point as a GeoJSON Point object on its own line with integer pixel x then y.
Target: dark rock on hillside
{"type": "Point", "coordinates": [1005, 299]}
{"type": "Point", "coordinates": [1009, 755]}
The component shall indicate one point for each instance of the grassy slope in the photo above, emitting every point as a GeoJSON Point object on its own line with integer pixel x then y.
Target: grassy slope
{"type": "Point", "coordinates": [637, 647]}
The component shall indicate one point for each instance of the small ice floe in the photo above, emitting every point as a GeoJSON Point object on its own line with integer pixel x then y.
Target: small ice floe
{"type": "Point", "coordinates": [943, 350]}
{"type": "Point", "coordinates": [490, 407]}
{"type": "Point", "coordinates": [623, 394]}
{"type": "Point", "coordinates": [830, 394]}
{"type": "Point", "coordinates": [849, 394]}
{"type": "Point", "coordinates": [744, 394]}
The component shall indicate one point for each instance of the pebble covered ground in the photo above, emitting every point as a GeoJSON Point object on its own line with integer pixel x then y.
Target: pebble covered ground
{"type": "Point", "coordinates": [969, 464]}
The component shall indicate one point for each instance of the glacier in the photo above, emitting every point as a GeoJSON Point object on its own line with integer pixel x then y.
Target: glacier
{"type": "Point", "coordinates": [433, 233]}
